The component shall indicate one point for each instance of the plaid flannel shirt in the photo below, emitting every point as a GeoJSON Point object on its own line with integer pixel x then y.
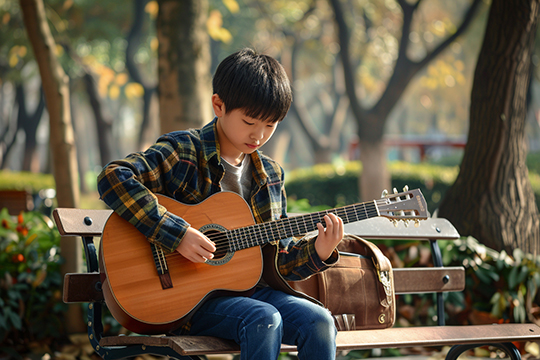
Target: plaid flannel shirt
{"type": "Point", "coordinates": [186, 166]}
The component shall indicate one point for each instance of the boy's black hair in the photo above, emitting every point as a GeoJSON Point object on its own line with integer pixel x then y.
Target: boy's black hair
{"type": "Point", "coordinates": [255, 83]}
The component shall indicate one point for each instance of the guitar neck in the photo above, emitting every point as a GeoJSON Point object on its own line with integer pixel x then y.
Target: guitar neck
{"type": "Point", "coordinates": [260, 234]}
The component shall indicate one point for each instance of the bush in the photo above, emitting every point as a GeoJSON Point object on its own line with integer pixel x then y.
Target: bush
{"type": "Point", "coordinates": [30, 282]}
{"type": "Point", "coordinates": [496, 283]}
{"type": "Point", "coordinates": [31, 182]}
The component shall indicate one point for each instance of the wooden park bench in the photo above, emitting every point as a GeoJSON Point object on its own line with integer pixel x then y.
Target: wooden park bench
{"type": "Point", "coordinates": [86, 287]}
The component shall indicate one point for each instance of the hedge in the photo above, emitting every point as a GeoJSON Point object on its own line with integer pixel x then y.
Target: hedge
{"type": "Point", "coordinates": [23, 180]}
{"type": "Point", "coordinates": [337, 185]}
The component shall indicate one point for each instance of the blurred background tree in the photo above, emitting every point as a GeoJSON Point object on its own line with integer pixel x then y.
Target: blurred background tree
{"type": "Point", "coordinates": [492, 198]}
{"type": "Point", "coordinates": [391, 78]}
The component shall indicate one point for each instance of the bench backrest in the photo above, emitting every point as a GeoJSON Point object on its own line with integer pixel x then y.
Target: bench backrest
{"type": "Point", "coordinates": [90, 223]}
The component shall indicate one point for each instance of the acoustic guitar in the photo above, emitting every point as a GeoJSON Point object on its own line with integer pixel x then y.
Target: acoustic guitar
{"type": "Point", "coordinates": [150, 292]}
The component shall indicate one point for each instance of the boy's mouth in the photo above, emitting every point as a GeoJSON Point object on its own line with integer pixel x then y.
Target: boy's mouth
{"type": "Point", "coordinates": [252, 146]}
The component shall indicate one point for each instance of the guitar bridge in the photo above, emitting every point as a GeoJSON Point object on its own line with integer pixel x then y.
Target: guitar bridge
{"type": "Point", "coordinates": [166, 281]}
{"type": "Point", "coordinates": [161, 266]}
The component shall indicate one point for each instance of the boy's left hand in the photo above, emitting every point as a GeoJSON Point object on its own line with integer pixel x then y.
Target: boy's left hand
{"type": "Point", "coordinates": [330, 237]}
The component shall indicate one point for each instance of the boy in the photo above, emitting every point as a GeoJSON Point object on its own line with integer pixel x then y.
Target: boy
{"type": "Point", "coordinates": [251, 96]}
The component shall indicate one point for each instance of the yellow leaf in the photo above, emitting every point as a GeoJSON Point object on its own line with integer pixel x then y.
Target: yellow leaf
{"type": "Point", "coordinates": [13, 60]}
{"type": "Point", "coordinates": [40, 277]}
{"type": "Point", "coordinates": [121, 79]}
{"type": "Point", "coordinates": [30, 239]}
{"type": "Point", "coordinates": [215, 29]}
{"type": "Point", "coordinates": [232, 5]}
{"type": "Point", "coordinates": [152, 9]}
{"type": "Point", "coordinates": [114, 92]}
{"type": "Point", "coordinates": [6, 18]}
{"type": "Point", "coordinates": [215, 20]}
{"type": "Point", "coordinates": [134, 90]}
{"type": "Point", "coordinates": [22, 51]}
{"type": "Point", "coordinates": [154, 43]}
{"type": "Point", "coordinates": [59, 50]}
{"type": "Point", "coordinates": [225, 35]}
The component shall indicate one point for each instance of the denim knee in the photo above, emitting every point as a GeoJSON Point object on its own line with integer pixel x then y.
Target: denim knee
{"type": "Point", "coordinates": [263, 320]}
{"type": "Point", "coordinates": [261, 334]}
{"type": "Point", "coordinates": [323, 325]}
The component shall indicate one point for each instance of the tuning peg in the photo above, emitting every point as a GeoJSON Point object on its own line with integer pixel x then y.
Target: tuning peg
{"type": "Point", "coordinates": [406, 188]}
{"type": "Point", "coordinates": [395, 223]}
{"type": "Point", "coordinates": [406, 223]}
{"type": "Point", "coordinates": [395, 191]}
{"type": "Point", "coordinates": [416, 223]}
{"type": "Point", "coordinates": [384, 193]}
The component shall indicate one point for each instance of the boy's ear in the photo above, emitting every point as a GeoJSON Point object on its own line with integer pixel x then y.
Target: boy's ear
{"type": "Point", "coordinates": [218, 105]}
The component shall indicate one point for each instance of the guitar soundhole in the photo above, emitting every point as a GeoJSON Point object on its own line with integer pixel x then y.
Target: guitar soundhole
{"type": "Point", "coordinates": [222, 244]}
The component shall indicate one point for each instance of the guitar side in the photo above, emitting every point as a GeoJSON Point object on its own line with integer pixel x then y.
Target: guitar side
{"type": "Point", "coordinates": [131, 285]}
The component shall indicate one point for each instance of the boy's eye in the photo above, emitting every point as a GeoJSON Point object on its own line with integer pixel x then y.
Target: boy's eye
{"type": "Point", "coordinates": [248, 123]}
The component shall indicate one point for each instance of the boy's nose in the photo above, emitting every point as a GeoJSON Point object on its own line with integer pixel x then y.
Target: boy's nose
{"type": "Point", "coordinates": [258, 134]}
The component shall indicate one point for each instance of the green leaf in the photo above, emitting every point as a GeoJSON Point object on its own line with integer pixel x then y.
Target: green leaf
{"type": "Point", "coordinates": [512, 277]}
{"type": "Point", "coordinates": [520, 313]}
{"type": "Point", "coordinates": [522, 274]}
{"type": "Point", "coordinates": [14, 318]}
{"type": "Point", "coordinates": [3, 322]}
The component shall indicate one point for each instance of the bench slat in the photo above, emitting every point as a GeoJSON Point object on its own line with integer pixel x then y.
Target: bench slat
{"type": "Point", "coordinates": [428, 280]}
{"type": "Point", "coordinates": [353, 340]}
{"type": "Point", "coordinates": [382, 228]}
{"type": "Point", "coordinates": [82, 287]}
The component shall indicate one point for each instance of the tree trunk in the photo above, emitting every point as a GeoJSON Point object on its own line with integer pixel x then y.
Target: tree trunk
{"type": "Point", "coordinates": [374, 178]}
{"type": "Point", "coordinates": [371, 122]}
{"type": "Point", "coordinates": [183, 64]}
{"type": "Point", "coordinates": [31, 156]}
{"type": "Point", "coordinates": [492, 198]}
{"type": "Point", "coordinates": [56, 89]}
{"type": "Point", "coordinates": [103, 122]}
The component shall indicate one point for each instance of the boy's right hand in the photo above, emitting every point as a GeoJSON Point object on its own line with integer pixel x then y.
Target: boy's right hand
{"type": "Point", "coordinates": [196, 247]}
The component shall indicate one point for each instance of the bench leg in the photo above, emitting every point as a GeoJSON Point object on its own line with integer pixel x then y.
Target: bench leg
{"type": "Point", "coordinates": [510, 349]}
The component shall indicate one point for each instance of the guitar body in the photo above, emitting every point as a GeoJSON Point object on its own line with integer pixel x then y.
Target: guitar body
{"type": "Point", "coordinates": [131, 285]}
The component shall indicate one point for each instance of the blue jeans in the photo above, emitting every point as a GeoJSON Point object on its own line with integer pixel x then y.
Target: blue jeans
{"type": "Point", "coordinates": [262, 322]}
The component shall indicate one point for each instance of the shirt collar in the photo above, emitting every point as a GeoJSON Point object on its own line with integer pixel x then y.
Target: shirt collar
{"type": "Point", "coordinates": [211, 149]}
{"type": "Point", "coordinates": [209, 141]}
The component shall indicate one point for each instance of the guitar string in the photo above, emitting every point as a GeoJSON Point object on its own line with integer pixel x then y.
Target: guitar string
{"type": "Point", "coordinates": [252, 233]}
{"type": "Point", "coordinates": [256, 231]}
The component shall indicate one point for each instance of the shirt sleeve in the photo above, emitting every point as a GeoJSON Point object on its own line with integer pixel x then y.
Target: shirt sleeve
{"type": "Point", "coordinates": [127, 186]}
{"type": "Point", "coordinates": [298, 259]}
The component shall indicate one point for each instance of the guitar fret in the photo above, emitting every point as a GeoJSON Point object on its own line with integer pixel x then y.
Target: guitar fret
{"type": "Point", "coordinates": [275, 231]}
{"type": "Point", "coordinates": [314, 221]}
{"type": "Point", "coordinates": [259, 234]}
{"type": "Point", "coordinates": [251, 233]}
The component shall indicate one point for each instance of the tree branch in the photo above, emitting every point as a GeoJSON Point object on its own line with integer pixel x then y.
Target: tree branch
{"type": "Point", "coordinates": [350, 79]}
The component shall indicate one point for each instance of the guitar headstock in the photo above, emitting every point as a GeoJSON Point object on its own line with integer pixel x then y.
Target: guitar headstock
{"type": "Point", "coordinates": [407, 205]}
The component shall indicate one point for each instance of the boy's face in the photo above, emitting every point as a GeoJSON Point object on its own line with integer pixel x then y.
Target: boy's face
{"type": "Point", "coordinates": [239, 133]}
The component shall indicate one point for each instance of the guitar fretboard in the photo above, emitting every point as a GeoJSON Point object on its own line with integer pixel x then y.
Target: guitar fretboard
{"type": "Point", "coordinates": [260, 234]}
